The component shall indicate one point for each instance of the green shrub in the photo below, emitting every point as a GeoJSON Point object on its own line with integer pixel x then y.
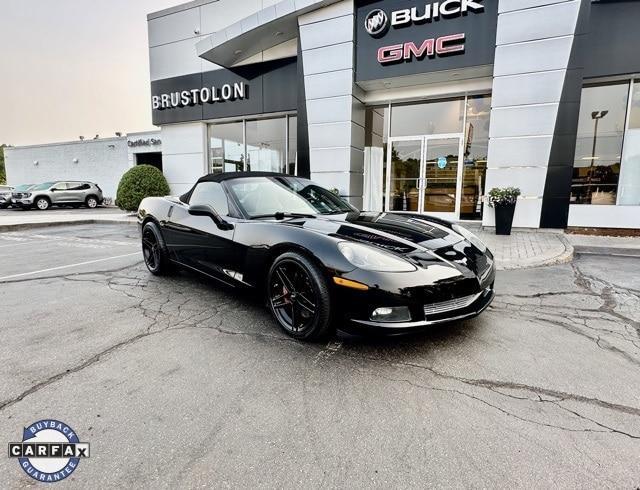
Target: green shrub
{"type": "Point", "coordinates": [140, 182]}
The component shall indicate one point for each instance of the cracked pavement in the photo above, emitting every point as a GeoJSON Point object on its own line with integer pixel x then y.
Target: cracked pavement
{"type": "Point", "coordinates": [179, 382]}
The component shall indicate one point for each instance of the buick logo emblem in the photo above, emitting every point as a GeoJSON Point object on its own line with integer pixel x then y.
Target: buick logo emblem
{"type": "Point", "coordinates": [376, 23]}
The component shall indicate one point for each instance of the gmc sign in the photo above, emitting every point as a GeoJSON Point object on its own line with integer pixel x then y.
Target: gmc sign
{"type": "Point", "coordinates": [441, 46]}
{"type": "Point", "coordinates": [396, 38]}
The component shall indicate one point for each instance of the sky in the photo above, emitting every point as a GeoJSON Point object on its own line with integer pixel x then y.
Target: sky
{"type": "Point", "coordinates": [74, 67]}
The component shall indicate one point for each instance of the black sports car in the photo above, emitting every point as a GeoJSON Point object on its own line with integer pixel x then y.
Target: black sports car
{"type": "Point", "coordinates": [320, 260]}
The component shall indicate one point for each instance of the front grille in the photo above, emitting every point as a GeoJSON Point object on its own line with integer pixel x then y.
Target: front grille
{"type": "Point", "coordinates": [451, 305]}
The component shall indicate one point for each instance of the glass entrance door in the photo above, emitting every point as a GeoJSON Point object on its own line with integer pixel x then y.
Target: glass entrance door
{"type": "Point", "coordinates": [441, 178]}
{"type": "Point", "coordinates": [404, 167]}
{"type": "Point", "coordinates": [424, 175]}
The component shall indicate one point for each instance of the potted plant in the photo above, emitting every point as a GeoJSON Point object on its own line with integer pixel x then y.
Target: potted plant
{"type": "Point", "coordinates": [504, 201]}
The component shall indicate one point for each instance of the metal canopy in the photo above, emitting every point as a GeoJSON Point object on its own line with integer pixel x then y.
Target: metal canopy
{"type": "Point", "coordinates": [263, 30]}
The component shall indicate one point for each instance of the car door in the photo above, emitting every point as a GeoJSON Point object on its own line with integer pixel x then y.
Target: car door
{"type": "Point", "coordinates": [59, 193]}
{"type": "Point", "coordinates": [196, 241]}
{"type": "Point", "coordinates": [76, 191]}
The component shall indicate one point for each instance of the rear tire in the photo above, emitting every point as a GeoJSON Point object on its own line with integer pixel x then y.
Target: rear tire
{"type": "Point", "coordinates": [91, 202]}
{"type": "Point", "coordinates": [154, 250]}
{"type": "Point", "coordinates": [299, 297]}
{"type": "Point", "coordinates": [42, 203]}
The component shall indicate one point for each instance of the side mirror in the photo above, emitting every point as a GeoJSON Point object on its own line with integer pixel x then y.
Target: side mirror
{"type": "Point", "coordinates": [207, 210]}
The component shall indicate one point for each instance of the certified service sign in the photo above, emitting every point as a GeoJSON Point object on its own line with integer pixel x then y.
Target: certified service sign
{"type": "Point", "coordinates": [50, 451]}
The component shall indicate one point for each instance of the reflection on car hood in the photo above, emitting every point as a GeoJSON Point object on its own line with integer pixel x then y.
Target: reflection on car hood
{"type": "Point", "coordinates": [396, 232]}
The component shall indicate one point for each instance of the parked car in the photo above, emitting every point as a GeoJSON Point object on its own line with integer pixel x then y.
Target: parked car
{"type": "Point", "coordinates": [5, 196]}
{"type": "Point", "coordinates": [18, 192]}
{"type": "Point", "coordinates": [318, 258]}
{"type": "Point", "coordinates": [60, 193]}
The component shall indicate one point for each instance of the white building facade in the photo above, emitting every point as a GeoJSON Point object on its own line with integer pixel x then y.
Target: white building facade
{"type": "Point", "coordinates": [102, 161]}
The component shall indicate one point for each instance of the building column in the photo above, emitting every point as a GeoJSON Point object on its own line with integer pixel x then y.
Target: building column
{"type": "Point", "coordinates": [184, 155]}
{"type": "Point", "coordinates": [535, 104]}
{"type": "Point", "coordinates": [335, 116]}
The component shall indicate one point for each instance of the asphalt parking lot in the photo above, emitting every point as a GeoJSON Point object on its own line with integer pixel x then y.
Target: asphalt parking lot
{"type": "Point", "coordinates": [176, 382]}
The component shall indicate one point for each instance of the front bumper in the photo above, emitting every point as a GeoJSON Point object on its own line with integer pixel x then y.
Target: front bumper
{"type": "Point", "coordinates": [480, 304]}
{"type": "Point", "coordinates": [21, 202]}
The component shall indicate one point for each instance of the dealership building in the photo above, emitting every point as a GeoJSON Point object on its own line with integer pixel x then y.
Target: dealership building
{"type": "Point", "coordinates": [99, 160]}
{"type": "Point", "coordinates": [410, 106]}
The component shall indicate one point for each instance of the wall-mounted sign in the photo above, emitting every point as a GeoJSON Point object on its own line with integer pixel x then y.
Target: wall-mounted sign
{"type": "Point", "coordinates": [246, 90]}
{"type": "Point", "coordinates": [144, 142]}
{"type": "Point", "coordinates": [397, 37]}
{"type": "Point", "coordinates": [204, 95]}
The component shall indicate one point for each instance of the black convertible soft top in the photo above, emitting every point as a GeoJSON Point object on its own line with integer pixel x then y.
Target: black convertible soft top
{"type": "Point", "coordinates": [228, 176]}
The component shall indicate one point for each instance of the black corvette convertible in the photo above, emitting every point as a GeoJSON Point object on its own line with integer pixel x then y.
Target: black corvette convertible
{"type": "Point", "coordinates": [320, 261]}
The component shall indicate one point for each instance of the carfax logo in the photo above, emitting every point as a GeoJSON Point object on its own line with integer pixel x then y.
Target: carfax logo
{"type": "Point", "coordinates": [50, 451]}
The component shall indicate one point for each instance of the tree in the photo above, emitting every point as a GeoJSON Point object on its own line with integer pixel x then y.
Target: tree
{"type": "Point", "coordinates": [3, 172]}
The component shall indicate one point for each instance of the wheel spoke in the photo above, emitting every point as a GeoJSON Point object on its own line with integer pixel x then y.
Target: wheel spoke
{"type": "Point", "coordinates": [306, 304]}
{"type": "Point", "coordinates": [285, 279]}
{"type": "Point", "coordinates": [293, 317]}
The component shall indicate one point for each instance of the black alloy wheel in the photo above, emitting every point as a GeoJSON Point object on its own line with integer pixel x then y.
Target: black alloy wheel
{"type": "Point", "coordinates": [153, 249]}
{"type": "Point", "coordinates": [298, 297]}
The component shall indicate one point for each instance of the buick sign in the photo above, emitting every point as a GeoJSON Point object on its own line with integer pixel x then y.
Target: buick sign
{"type": "Point", "coordinates": [377, 22]}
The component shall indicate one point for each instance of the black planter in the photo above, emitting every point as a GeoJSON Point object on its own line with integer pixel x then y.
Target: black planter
{"type": "Point", "coordinates": [504, 218]}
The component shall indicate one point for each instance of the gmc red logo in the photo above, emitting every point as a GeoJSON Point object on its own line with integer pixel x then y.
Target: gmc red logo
{"type": "Point", "coordinates": [441, 46]}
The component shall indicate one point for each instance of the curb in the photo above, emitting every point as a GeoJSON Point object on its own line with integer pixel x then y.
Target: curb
{"type": "Point", "coordinates": [48, 224]}
{"type": "Point", "coordinates": [613, 251]}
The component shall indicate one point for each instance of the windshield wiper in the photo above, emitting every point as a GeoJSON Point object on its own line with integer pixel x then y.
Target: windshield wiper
{"type": "Point", "coordinates": [282, 215]}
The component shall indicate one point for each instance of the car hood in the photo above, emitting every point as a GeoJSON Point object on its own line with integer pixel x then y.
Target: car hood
{"type": "Point", "coordinates": [423, 240]}
{"type": "Point", "coordinates": [399, 233]}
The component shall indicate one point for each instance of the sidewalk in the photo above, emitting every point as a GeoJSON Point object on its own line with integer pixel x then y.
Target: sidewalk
{"type": "Point", "coordinates": [536, 248]}
{"type": "Point", "coordinates": [12, 220]}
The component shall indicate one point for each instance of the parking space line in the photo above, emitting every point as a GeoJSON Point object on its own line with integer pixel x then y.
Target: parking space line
{"type": "Point", "coordinates": [13, 276]}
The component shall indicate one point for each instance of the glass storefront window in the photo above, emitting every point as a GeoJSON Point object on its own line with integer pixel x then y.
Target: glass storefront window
{"type": "Point", "coordinates": [476, 149]}
{"type": "Point", "coordinates": [409, 124]}
{"type": "Point", "coordinates": [254, 145]}
{"type": "Point", "coordinates": [428, 118]}
{"type": "Point", "coordinates": [629, 186]}
{"type": "Point", "coordinates": [292, 157]}
{"type": "Point", "coordinates": [266, 144]}
{"type": "Point", "coordinates": [226, 148]}
{"type": "Point", "coordinates": [598, 156]}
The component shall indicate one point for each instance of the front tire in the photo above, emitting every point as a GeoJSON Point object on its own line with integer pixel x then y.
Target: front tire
{"type": "Point", "coordinates": [154, 250]}
{"type": "Point", "coordinates": [42, 203]}
{"type": "Point", "coordinates": [299, 297]}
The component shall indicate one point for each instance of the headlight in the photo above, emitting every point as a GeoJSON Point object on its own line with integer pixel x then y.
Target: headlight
{"type": "Point", "coordinates": [372, 259]}
{"type": "Point", "coordinates": [28, 194]}
{"type": "Point", "coordinates": [469, 236]}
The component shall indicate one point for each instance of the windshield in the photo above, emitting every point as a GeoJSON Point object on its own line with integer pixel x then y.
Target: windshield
{"type": "Point", "coordinates": [42, 187]}
{"type": "Point", "coordinates": [23, 187]}
{"type": "Point", "coordinates": [260, 196]}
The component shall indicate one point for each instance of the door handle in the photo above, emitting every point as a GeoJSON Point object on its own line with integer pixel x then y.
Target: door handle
{"type": "Point", "coordinates": [418, 183]}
